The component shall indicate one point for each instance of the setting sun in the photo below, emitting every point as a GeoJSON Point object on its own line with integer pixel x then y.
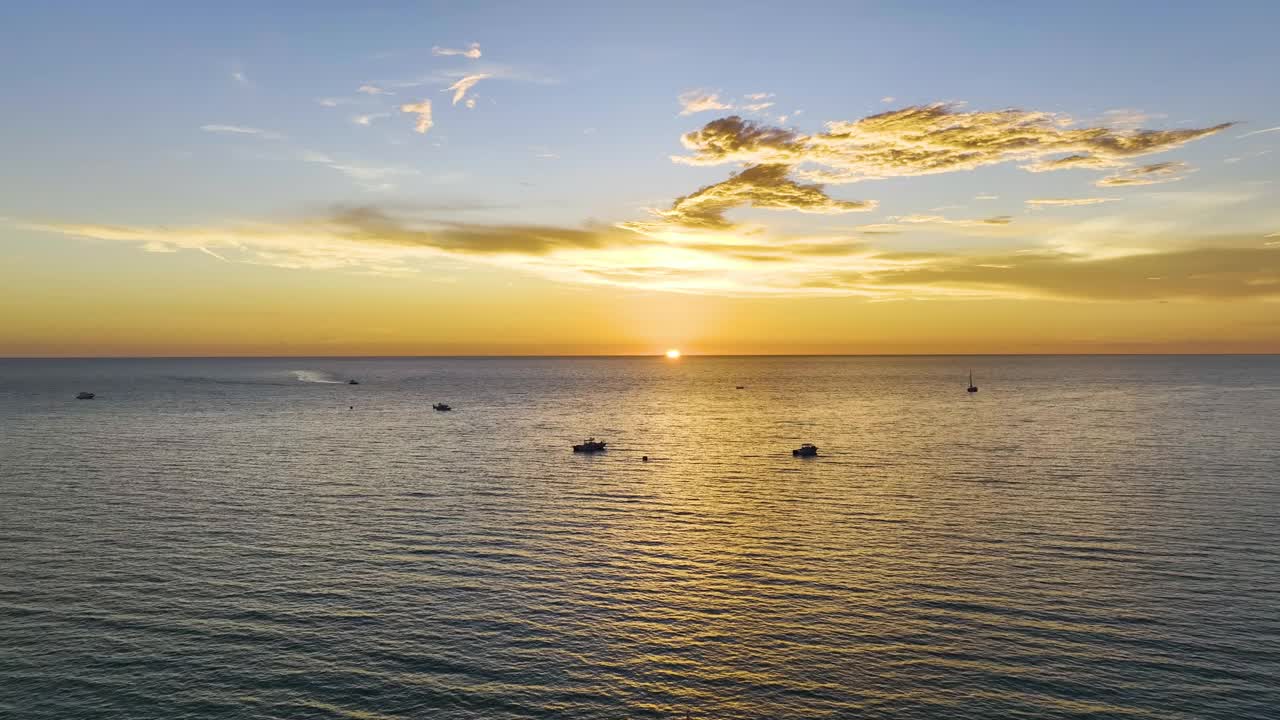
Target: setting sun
{"type": "Point", "coordinates": [673, 354]}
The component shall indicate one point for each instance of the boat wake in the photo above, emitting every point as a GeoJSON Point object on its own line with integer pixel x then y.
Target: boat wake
{"type": "Point", "coordinates": [315, 376]}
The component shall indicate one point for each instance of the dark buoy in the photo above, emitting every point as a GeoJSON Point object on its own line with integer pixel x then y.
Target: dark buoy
{"type": "Point", "coordinates": [644, 458]}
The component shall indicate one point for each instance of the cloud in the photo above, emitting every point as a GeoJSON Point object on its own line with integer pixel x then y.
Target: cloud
{"type": "Point", "coordinates": [355, 238]}
{"type": "Point", "coordinates": [927, 140]}
{"type": "Point", "coordinates": [472, 51]}
{"type": "Point", "coordinates": [242, 130]}
{"type": "Point", "coordinates": [1154, 174]}
{"type": "Point", "coordinates": [365, 238]}
{"type": "Point", "coordinates": [887, 99]}
{"type": "Point", "coordinates": [423, 110]}
{"type": "Point", "coordinates": [757, 107]}
{"type": "Point", "coordinates": [333, 102]}
{"type": "Point", "coordinates": [1068, 202]}
{"type": "Point", "coordinates": [373, 90]}
{"type": "Point", "coordinates": [757, 97]}
{"type": "Point", "coordinates": [240, 78]}
{"type": "Point", "coordinates": [986, 196]}
{"type": "Point", "coordinates": [696, 101]}
{"type": "Point", "coordinates": [1129, 119]}
{"type": "Point", "coordinates": [461, 87]}
{"type": "Point", "coordinates": [368, 177]}
{"type": "Point", "coordinates": [941, 220]}
{"type": "Point", "coordinates": [368, 119]}
{"type": "Point", "coordinates": [759, 186]}
{"type": "Point", "coordinates": [1259, 132]}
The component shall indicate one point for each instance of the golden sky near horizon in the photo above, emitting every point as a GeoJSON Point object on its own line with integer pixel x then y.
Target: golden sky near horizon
{"type": "Point", "coordinates": [488, 194]}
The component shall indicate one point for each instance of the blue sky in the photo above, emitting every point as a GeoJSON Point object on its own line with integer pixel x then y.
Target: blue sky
{"type": "Point", "coordinates": [160, 119]}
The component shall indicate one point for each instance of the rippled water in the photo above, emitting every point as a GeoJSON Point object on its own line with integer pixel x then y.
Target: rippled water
{"type": "Point", "coordinates": [1085, 537]}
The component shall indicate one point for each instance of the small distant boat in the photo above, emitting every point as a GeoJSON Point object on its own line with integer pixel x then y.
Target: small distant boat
{"type": "Point", "coordinates": [353, 382]}
{"type": "Point", "coordinates": [805, 450]}
{"type": "Point", "coordinates": [741, 387]}
{"type": "Point", "coordinates": [442, 407]}
{"type": "Point", "coordinates": [972, 387]}
{"type": "Point", "coordinates": [85, 396]}
{"type": "Point", "coordinates": [591, 445]}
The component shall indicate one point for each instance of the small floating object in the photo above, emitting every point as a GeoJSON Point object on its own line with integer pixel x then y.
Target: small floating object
{"type": "Point", "coordinates": [644, 458]}
{"type": "Point", "coordinates": [590, 445]}
{"type": "Point", "coordinates": [85, 396]}
{"type": "Point", "coordinates": [742, 387]}
{"type": "Point", "coordinates": [805, 450]}
{"type": "Point", "coordinates": [442, 407]}
{"type": "Point", "coordinates": [353, 382]}
{"type": "Point", "coordinates": [972, 387]}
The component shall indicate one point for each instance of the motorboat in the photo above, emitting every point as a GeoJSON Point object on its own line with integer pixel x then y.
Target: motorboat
{"type": "Point", "coordinates": [590, 445]}
{"type": "Point", "coordinates": [353, 382]}
{"type": "Point", "coordinates": [442, 407]}
{"type": "Point", "coordinates": [805, 450]}
{"type": "Point", "coordinates": [85, 396]}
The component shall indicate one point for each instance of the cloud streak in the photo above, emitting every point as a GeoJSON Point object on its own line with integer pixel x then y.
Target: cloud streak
{"type": "Point", "coordinates": [1154, 174]}
{"type": "Point", "coordinates": [1259, 132]}
{"type": "Point", "coordinates": [367, 238]}
{"type": "Point", "coordinates": [462, 86]}
{"type": "Point", "coordinates": [1068, 202]}
{"type": "Point", "coordinates": [472, 51]}
{"type": "Point", "coordinates": [242, 130]}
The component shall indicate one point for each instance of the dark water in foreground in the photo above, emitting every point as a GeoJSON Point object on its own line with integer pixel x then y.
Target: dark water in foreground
{"type": "Point", "coordinates": [1084, 538]}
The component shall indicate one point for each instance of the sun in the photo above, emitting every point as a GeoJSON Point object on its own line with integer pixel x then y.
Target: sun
{"type": "Point", "coordinates": [673, 354]}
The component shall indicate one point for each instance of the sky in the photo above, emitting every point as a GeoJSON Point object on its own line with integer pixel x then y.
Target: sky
{"type": "Point", "coordinates": [621, 178]}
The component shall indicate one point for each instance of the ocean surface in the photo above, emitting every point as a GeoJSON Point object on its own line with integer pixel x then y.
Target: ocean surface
{"type": "Point", "coordinates": [1086, 537]}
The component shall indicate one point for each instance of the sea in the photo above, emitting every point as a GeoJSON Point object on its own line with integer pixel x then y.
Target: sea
{"type": "Point", "coordinates": [1085, 537]}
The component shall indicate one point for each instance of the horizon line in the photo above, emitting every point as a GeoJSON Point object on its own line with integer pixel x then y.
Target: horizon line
{"type": "Point", "coordinates": [658, 355]}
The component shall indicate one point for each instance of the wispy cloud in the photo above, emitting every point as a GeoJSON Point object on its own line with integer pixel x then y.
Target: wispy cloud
{"type": "Point", "coordinates": [368, 119]}
{"type": "Point", "coordinates": [1259, 132]}
{"type": "Point", "coordinates": [696, 101]}
{"type": "Point", "coordinates": [423, 111]}
{"type": "Point", "coordinates": [368, 89]}
{"type": "Point", "coordinates": [1129, 119]}
{"type": "Point", "coordinates": [371, 239]}
{"type": "Point", "coordinates": [986, 196]}
{"type": "Point", "coordinates": [1068, 202]}
{"type": "Point", "coordinates": [366, 176]}
{"type": "Point", "coordinates": [887, 99]}
{"type": "Point", "coordinates": [242, 130]}
{"type": "Point", "coordinates": [472, 51]}
{"type": "Point", "coordinates": [942, 220]}
{"type": "Point", "coordinates": [465, 84]}
{"type": "Point", "coordinates": [240, 78]}
{"type": "Point", "coordinates": [333, 101]}
{"type": "Point", "coordinates": [1155, 174]}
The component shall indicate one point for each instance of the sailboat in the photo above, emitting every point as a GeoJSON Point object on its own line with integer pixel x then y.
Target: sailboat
{"type": "Point", "coordinates": [972, 387]}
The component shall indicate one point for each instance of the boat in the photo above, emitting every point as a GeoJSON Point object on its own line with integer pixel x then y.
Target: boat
{"type": "Point", "coordinates": [353, 382]}
{"type": "Point", "coordinates": [741, 387]}
{"type": "Point", "coordinates": [442, 407]}
{"type": "Point", "coordinates": [805, 450]}
{"type": "Point", "coordinates": [590, 445]}
{"type": "Point", "coordinates": [85, 396]}
{"type": "Point", "coordinates": [972, 387]}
